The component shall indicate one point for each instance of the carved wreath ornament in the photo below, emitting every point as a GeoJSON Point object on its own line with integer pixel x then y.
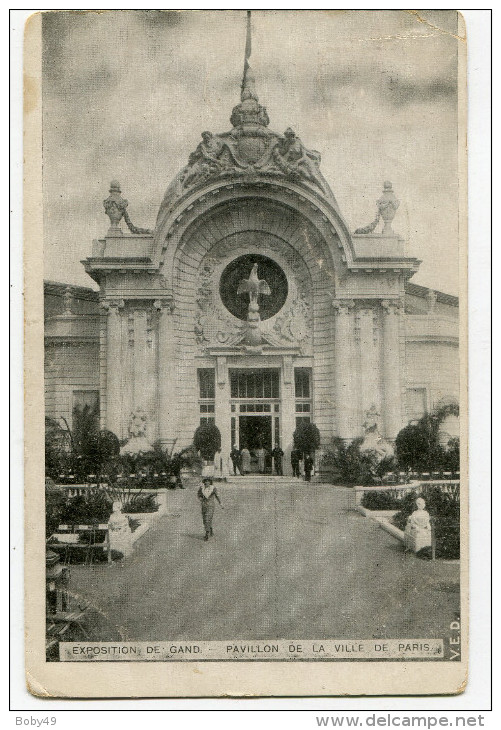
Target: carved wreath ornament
{"type": "Point", "coordinates": [214, 325]}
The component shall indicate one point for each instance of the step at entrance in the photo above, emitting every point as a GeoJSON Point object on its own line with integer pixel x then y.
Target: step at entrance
{"type": "Point", "coordinates": [261, 480]}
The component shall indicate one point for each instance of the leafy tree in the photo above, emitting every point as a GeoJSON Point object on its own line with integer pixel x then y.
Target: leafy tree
{"type": "Point", "coordinates": [306, 437]}
{"type": "Point", "coordinates": [207, 440]}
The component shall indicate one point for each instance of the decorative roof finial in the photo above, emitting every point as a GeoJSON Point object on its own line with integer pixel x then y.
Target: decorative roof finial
{"type": "Point", "coordinates": [248, 90]}
{"type": "Point", "coordinates": [249, 112]}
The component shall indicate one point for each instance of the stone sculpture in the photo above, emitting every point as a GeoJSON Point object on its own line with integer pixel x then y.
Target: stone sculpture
{"type": "Point", "coordinates": [205, 161]}
{"type": "Point", "coordinates": [115, 208]}
{"type": "Point", "coordinates": [137, 442]}
{"type": "Point", "coordinates": [253, 286]}
{"type": "Point", "coordinates": [387, 206]}
{"type": "Point", "coordinates": [373, 441]}
{"type": "Point", "coordinates": [295, 161]}
{"type": "Point", "coordinates": [417, 533]}
{"type": "Point", "coordinates": [119, 530]}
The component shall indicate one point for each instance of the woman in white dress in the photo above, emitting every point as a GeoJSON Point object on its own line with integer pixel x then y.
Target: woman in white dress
{"type": "Point", "coordinates": [245, 454]}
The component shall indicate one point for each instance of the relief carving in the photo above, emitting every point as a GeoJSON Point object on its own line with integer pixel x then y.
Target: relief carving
{"type": "Point", "coordinates": [214, 325]}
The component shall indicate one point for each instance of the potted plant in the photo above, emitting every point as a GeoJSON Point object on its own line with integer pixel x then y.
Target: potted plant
{"type": "Point", "coordinates": [207, 441]}
{"type": "Point", "coordinates": [306, 438]}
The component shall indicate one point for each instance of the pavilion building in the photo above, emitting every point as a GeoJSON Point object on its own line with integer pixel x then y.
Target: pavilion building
{"type": "Point", "coordinates": [250, 305]}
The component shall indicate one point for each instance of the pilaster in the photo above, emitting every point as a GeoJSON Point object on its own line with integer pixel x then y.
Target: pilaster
{"type": "Point", "coordinates": [113, 309]}
{"type": "Point", "coordinates": [288, 414]}
{"type": "Point", "coordinates": [392, 411]}
{"type": "Point", "coordinates": [343, 354]}
{"type": "Point", "coordinates": [166, 370]}
{"type": "Point", "coordinates": [222, 405]}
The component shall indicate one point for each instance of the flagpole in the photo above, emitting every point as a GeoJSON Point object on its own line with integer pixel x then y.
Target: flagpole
{"type": "Point", "coordinates": [247, 54]}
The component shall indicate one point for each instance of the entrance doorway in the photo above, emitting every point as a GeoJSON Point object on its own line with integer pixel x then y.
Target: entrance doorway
{"type": "Point", "coordinates": [256, 432]}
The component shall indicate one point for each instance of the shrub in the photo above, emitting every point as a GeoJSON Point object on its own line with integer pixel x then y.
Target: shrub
{"type": "Point", "coordinates": [207, 440]}
{"type": "Point", "coordinates": [140, 503]}
{"type": "Point", "coordinates": [54, 502]}
{"type": "Point", "coordinates": [354, 467]}
{"type": "Point", "coordinates": [417, 445]}
{"type": "Point", "coordinates": [92, 508]}
{"type": "Point", "coordinates": [443, 506]}
{"type": "Point", "coordinates": [381, 500]}
{"type": "Point", "coordinates": [306, 438]}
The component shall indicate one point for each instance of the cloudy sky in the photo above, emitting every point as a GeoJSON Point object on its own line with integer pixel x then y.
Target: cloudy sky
{"type": "Point", "coordinates": [127, 93]}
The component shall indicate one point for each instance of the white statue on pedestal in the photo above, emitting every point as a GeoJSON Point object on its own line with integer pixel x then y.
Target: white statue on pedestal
{"type": "Point", "coordinates": [418, 529]}
{"type": "Point", "coordinates": [137, 442]}
{"type": "Point", "coordinates": [119, 530]}
{"type": "Point", "coordinates": [373, 441]}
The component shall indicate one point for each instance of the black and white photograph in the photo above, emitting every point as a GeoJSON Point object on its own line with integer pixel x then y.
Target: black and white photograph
{"type": "Point", "coordinates": [254, 399]}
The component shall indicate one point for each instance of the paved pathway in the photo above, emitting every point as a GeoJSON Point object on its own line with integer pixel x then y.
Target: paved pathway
{"type": "Point", "coordinates": [285, 562]}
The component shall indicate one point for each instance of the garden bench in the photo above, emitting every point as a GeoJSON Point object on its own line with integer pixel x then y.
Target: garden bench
{"type": "Point", "coordinates": [67, 541]}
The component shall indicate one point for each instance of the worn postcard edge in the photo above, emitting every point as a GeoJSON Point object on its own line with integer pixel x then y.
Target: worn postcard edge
{"type": "Point", "coordinates": [191, 679]}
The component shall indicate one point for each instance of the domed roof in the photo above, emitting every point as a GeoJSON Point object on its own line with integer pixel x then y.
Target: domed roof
{"type": "Point", "coordinates": [248, 152]}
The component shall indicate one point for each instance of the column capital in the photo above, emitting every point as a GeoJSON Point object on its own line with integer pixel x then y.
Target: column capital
{"type": "Point", "coordinates": [164, 305]}
{"type": "Point", "coordinates": [342, 306]}
{"type": "Point", "coordinates": [366, 311]}
{"type": "Point", "coordinates": [392, 306]}
{"type": "Point", "coordinates": [112, 305]}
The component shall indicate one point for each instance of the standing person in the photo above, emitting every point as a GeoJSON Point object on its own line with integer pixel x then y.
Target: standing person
{"type": "Point", "coordinates": [308, 467]}
{"type": "Point", "coordinates": [236, 460]}
{"type": "Point", "coordinates": [278, 455]}
{"type": "Point", "coordinates": [207, 494]}
{"type": "Point", "coordinates": [295, 462]}
{"type": "Point", "coordinates": [261, 457]}
{"type": "Point", "coordinates": [245, 458]}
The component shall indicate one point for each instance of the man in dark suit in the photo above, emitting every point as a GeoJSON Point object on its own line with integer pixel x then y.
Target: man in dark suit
{"type": "Point", "coordinates": [236, 459]}
{"type": "Point", "coordinates": [295, 456]}
{"type": "Point", "coordinates": [278, 455]}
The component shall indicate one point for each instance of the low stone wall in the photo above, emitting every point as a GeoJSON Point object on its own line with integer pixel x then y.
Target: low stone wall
{"type": "Point", "coordinates": [415, 486]}
{"type": "Point", "coordinates": [383, 517]}
{"type": "Point", "coordinates": [145, 519]}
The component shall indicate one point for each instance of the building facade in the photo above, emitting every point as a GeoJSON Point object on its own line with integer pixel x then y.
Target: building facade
{"type": "Point", "coordinates": [250, 305]}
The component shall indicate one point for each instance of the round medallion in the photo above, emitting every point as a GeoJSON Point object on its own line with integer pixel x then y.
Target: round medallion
{"type": "Point", "coordinates": [238, 281]}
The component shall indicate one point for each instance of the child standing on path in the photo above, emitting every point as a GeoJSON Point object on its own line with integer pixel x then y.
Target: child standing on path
{"type": "Point", "coordinates": [207, 494]}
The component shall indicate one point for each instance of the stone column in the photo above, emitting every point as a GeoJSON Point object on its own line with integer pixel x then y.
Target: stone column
{"type": "Point", "coordinates": [113, 372]}
{"type": "Point", "coordinates": [343, 347]}
{"type": "Point", "coordinates": [368, 375]}
{"type": "Point", "coordinates": [166, 372]}
{"type": "Point", "coordinates": [392, 411]}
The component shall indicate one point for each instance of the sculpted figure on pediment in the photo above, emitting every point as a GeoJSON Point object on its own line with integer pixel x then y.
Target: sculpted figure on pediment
{"type": "Point", "coordinates": [295, 161]}
{"type": "Point", "coordinates": [205, 161]}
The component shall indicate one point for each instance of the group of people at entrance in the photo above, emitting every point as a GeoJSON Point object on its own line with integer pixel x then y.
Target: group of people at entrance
{"type": "Point", "coordinates": [241, 461]}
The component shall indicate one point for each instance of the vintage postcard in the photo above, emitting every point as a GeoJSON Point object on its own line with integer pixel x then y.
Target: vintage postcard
{"type": "Point", "coordinates": [245, 247]}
